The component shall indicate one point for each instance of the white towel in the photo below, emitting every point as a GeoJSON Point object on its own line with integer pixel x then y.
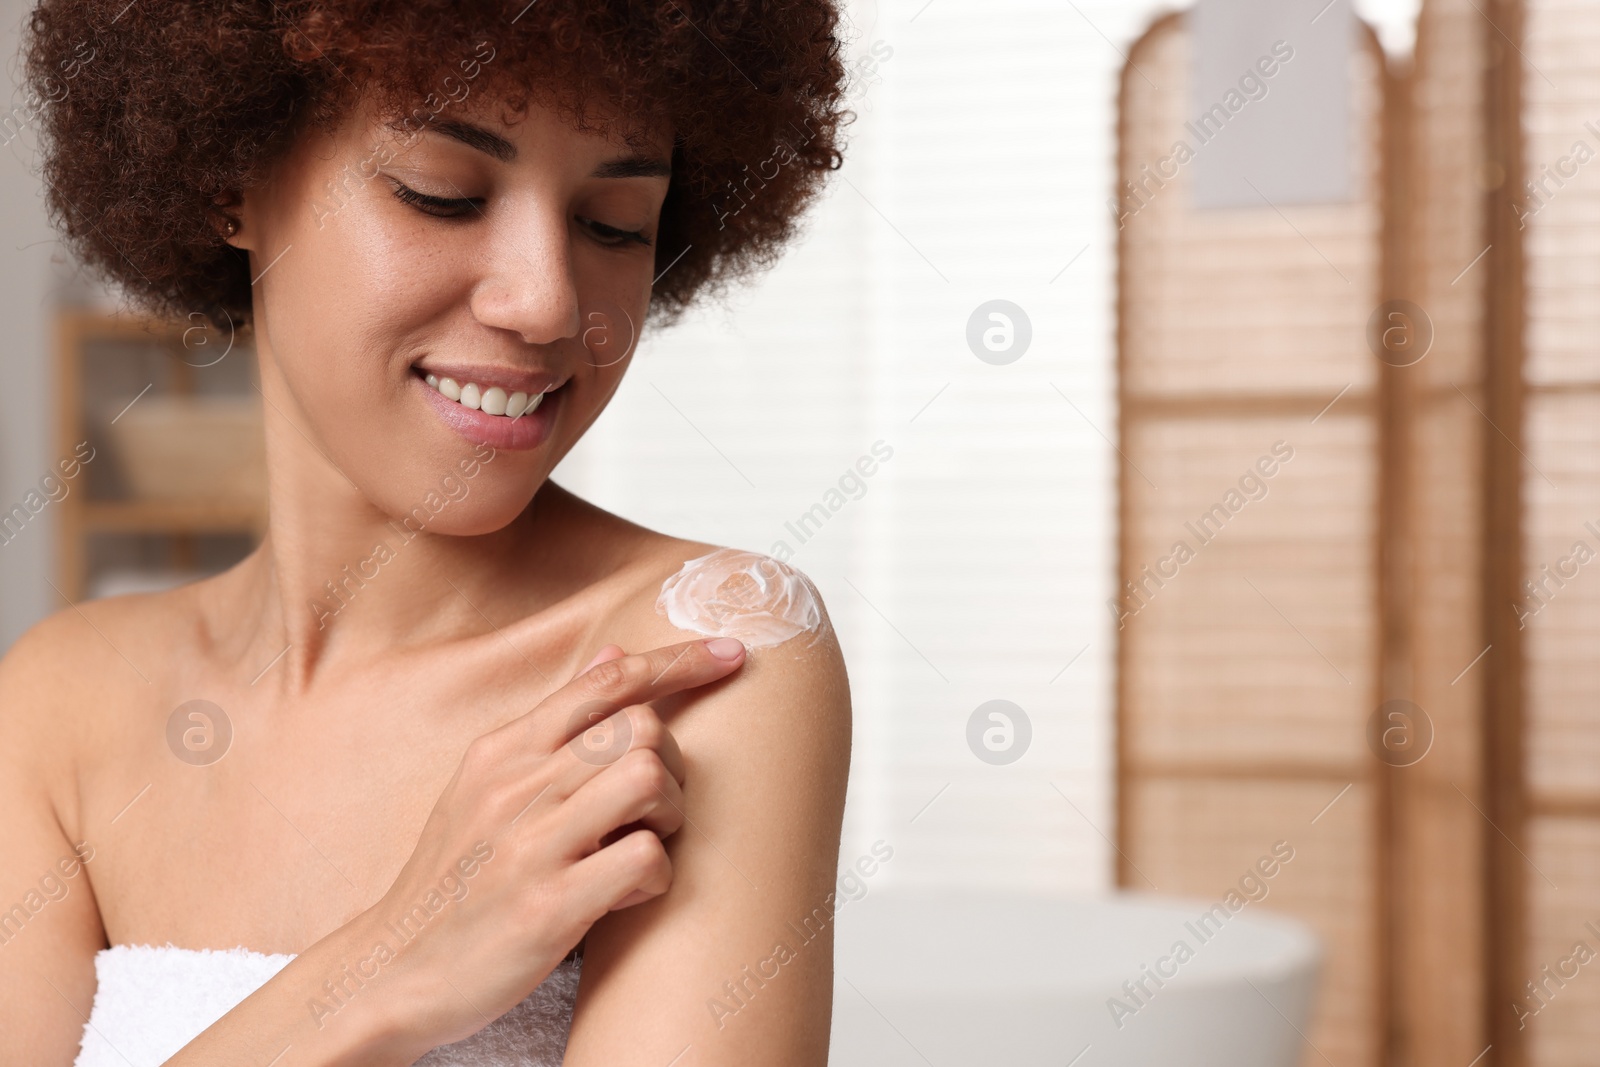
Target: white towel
{"type": "Point", "coordinates": [151, 1001]}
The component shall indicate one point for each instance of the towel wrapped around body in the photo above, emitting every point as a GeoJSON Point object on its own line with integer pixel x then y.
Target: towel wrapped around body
{"type": "Point", "coordinates": [153, 1000]}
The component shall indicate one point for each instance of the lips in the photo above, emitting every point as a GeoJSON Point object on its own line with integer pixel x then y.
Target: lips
{"type": "Point", "coordinates": [491, 400]}
{"type": "Point", "coordinates": [507, 409]}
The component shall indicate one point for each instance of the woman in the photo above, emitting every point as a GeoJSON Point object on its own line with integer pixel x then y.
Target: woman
{"type": "Point", "coordinates": [374, 790]}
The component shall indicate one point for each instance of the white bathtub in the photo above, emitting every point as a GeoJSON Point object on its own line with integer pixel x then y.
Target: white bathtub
{"type": "Point", "coordinates": [1025, 982]}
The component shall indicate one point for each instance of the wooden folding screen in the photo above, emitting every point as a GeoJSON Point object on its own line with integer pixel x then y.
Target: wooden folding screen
{"type": "Point", "coordinates": [1438, 654]}
{"type": "Point", "coordinates": [1436, 539]}
{"type": "Point", "coordinates": [1250, 612]}
{"type": "Point", "coordinates": [1545, 479]}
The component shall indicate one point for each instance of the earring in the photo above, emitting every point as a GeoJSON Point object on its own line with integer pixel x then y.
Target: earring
{"type": "Point", "coordinates": [233, 227]}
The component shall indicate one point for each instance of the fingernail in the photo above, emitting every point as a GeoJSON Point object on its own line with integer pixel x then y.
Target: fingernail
{"type": "Point", "coordinates": [725, 648]}
{"type": "Point", "coordinates": [596, 661]}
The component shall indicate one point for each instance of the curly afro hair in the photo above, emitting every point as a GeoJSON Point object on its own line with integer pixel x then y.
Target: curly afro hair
{"type": "Point", "coordinates": [154, 116]}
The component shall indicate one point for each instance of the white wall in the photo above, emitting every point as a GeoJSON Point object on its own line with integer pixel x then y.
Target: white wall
{"type": "Point", "coordinates": [29, 264]}
{"type": "Point", "coordinates": [977, 564]}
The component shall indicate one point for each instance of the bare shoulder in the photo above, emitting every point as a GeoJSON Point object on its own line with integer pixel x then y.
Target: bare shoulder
{"type": "Point", "coordinates": [76, 691]}
{"type": "Point", "coordinates": [767, 755]}
{"type": "Point", "coordinates": [38, 675]}
{"type": "Point", "coordinates": [670, 589]}
{"type": "Point", "coordinates": [63, 660]}
{"type": "Point", "coordinates": [74, 678]}
{"type": "Point", "coordinates": [112, 641]}
{"type": "Point", "coordinates": [682, 590]}
{"type": "Point", "coordinates": [64, 687]}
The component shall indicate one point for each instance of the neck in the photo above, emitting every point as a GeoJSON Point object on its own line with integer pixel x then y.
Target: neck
{"type": "Point", "coordinates": [337, 579]}
{"type": "Point", "coordinates": [336, 585]}
{"type": "Point", "coordinates": [340, 579]}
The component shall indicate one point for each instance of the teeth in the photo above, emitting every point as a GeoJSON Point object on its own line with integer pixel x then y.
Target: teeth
{"type": "Point", "coordinates": [491, 401]}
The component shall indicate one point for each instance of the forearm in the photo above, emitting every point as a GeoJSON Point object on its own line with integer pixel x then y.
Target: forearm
{"type": "Point", "coordinates": [297, 1019]}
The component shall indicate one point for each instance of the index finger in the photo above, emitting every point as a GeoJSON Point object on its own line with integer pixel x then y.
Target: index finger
{"type": "Point", "coordinates": [612, 685]}
{"type": "Point", "coordinates": [608, 652]}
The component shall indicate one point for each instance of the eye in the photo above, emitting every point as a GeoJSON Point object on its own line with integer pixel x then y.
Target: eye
{"type": "Point", "coordinates": [437, 206]}
{"type": "Point", "coordinates": [610, 235]}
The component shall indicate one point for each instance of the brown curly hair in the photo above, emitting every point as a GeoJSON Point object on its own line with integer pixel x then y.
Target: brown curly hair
{"type": "Point", "coordinates": [152, 114]}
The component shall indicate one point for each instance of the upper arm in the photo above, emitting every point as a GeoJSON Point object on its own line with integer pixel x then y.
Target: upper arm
{"type": "Point", "coordinates": [50, 924]}
{"type": "Point", "coordinates": [734, 963]}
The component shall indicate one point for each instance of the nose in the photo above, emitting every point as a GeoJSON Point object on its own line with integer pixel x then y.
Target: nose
{"type": "Point", "coordinates": [531, 287]}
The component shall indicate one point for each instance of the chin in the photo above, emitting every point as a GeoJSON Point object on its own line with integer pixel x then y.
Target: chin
{"type": "Point", "coordinates": [479, 492]}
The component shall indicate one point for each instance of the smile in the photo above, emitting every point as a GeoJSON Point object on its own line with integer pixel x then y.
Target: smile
{"type": "Point", "coordinates": [491, 401]}
{"type": "Point", "coordinates": [518, 412]}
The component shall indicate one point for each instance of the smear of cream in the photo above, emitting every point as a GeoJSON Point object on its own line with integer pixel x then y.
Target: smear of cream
{"type": "Point", "coordinates": [744, 595]}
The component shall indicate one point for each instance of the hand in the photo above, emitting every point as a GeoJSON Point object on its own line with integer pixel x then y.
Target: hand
{"type": "Point", "coordinates": [550, 822]}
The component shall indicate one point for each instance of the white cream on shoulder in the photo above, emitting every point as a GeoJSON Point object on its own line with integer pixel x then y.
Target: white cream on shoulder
{"type": "Point", "coordinates": [744, 595]}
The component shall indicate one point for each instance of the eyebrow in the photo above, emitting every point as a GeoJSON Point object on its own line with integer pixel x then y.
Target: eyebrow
{"type": "Point", "coordinates": [476, 137]}
{"type": "Point", "coordinates": [492, 144]}
{"type": "Point", "coordinates": [634, 167]}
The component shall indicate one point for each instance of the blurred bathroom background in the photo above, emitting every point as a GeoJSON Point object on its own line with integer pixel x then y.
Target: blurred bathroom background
{"type": "Point", "coordinates": [1186, 417]}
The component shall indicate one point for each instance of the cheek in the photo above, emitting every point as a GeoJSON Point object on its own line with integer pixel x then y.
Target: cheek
{"type": "Point", "coordinates": [613, 299]}
{"type": "Point", "coordinates": [373, 269]}
{"type": "Point", "coordinates": [334, 310]}
{"type": "Point", "coordinates": [343, 275]}
{"type": "Point", "coordinates": [608, 332]}
{"type": "Point", "coordinates": [345, 310]}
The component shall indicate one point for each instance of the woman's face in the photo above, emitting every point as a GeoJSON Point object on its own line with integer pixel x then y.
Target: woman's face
{"type": "Point", "coordinates": [509, 265]}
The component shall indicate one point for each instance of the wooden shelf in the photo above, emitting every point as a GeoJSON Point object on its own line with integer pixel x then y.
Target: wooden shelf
{"type": "Point", "coordinates": [89, 324]}
{"type": "Point", "coordinates": [86, 323]}
{"type": "Point", "coordinates": [173, 516]}
{"type": "Point", "coordinates": [79, 515]}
